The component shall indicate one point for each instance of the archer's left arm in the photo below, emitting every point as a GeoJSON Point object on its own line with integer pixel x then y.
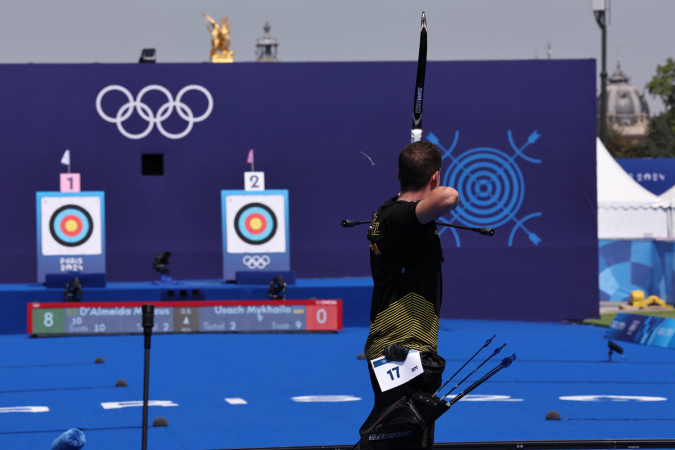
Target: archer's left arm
{"type": "Point", "coordinates": [440, 201]}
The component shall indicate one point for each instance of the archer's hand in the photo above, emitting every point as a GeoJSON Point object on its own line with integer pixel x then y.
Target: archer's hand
{"type": "Point", "coordinates": [396, 352]}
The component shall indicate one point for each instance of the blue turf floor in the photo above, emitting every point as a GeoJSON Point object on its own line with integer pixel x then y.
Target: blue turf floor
{"type": "Point", "coordinates": [197, 372]}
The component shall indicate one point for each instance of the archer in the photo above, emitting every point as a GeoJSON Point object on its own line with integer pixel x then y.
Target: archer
{"type": "Point", "coordinates": [405, 261]}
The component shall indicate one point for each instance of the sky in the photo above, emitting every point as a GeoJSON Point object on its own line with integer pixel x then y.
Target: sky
{"type": "Point", "coordinates": [641, 32]}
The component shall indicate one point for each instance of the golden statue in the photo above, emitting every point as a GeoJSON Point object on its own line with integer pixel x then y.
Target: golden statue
{"type": "Point", "coordinates": [220, 40]}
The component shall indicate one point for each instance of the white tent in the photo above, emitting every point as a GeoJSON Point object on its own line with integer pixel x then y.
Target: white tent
{"type": "Point", "coordinates": [669, 195]}
{"type": "Point", "coordinates": [626, 210]}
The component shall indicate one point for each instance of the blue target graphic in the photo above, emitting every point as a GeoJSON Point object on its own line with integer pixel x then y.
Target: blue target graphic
{"type": "Point", "coordinates": [255, 223]}
{"type": "Point", "coordinates": [71, 225]}
{"type": "Point", "coordinates": [491, 186]}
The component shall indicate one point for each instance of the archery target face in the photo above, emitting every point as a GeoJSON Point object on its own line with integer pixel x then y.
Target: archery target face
{"type": "Point", "coordinates": [70, 226]}
{"type": "Point", "coordinates": [255, 223]}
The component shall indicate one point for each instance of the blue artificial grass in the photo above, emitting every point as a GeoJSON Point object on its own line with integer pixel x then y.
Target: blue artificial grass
{"type": "Point", "coordinates": [197, 372]}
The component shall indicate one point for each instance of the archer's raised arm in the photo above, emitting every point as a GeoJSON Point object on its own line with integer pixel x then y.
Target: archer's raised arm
{"type": "Point", "coordinates": [440, 201]}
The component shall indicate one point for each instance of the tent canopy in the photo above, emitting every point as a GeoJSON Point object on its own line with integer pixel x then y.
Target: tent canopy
{"type": "Point", "coordinates": [615, 186]}
{"type": "Point", "coordinates": [626, 210]}
{"type": "Point", "coordinates": [668, 195]}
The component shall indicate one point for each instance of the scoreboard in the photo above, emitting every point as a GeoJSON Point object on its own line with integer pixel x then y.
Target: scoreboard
{"type": "Point", "coordinates": [226, 316]}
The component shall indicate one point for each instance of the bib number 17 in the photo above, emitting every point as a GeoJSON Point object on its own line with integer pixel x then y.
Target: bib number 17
{"type": "Point", "coordinates": [390, 374]}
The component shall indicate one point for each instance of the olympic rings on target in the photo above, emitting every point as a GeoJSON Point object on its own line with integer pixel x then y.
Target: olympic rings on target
{"type": "Point", "coordinates": [147, 114]}
{"type": "Point", "coordinates": [256, 262]}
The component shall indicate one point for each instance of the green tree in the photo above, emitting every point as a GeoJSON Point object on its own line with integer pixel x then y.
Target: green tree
{"type": "Point", "coordinates": [662, 85]}
{"type": "Point", "coordinates": [660, 141]}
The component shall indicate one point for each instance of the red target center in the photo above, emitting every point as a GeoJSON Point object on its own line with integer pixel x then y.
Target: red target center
{"type": "Point", "coordinates": [71, 225]}
{"type": "Point", "coordinates": [255, 223]}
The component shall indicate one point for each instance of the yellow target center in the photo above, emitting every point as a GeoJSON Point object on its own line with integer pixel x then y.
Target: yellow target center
{"type": "Point", "coordinates": [256, 223]}
{"type": "Point", "coordinates": [71, 225]}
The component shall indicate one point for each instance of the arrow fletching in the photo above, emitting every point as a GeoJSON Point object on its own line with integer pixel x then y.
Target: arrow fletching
{"type": "Point", "coordinates": [498, 349]}
{"type": "Point", "coordinates": [506, 362]}
{"type": "Point", "coordinates": [489, 341]}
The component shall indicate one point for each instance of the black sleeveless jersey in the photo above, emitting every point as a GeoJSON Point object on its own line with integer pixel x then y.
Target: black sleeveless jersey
{"type": "Point", "coordinates": [405, 261]}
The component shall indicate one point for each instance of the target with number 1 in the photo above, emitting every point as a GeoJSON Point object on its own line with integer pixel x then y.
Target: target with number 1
{"type": "Point", "coordinates": [70, 225]}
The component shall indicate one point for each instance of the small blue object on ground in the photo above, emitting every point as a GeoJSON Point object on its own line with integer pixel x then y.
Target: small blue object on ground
{"type": "Point", "coordinates": [72, 439]}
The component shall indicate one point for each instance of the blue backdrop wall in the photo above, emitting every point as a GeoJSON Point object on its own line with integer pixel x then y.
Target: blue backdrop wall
{"type": "Point", "coordinates": [518, 140]}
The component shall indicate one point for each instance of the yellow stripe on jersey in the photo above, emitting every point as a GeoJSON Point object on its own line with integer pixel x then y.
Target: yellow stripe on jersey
{"type": "Point", "coordinates": [410, 321]}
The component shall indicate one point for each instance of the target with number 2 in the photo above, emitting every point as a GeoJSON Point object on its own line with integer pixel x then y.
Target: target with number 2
{"type": "Point", "coordinates": [255, 223]}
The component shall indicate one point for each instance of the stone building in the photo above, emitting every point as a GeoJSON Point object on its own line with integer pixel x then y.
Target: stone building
{"type": "Point", "coordinates": [627, 110]}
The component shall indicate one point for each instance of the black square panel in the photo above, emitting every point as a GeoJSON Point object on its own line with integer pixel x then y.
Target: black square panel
{"type": "Point", "coordinates": [152, 164]}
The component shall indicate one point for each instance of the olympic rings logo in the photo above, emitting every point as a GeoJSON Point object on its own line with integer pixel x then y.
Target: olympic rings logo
{"type": "Point", "coordinates": [146, 113]}
{"type": "Point", "coordinates": [256, 262]}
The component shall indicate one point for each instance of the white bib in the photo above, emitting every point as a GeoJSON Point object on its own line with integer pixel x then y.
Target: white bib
{"type": "Point", "coordinates": [390, 374]}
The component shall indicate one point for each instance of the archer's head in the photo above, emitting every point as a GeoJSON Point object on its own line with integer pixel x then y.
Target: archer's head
{"type": "Point", "coordinates": [419, 166]}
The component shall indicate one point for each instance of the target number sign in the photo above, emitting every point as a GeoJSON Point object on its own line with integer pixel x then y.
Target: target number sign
{"type": "Point", "coordinates": [70, 182]}
{"type": "Point", "coordinates": [70, 225]}
{"type": "Point", "coordinates": [254, 181]}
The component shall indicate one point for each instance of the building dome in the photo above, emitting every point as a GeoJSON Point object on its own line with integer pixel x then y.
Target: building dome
{"type": "Point", "coordinates": [266, 46]}
{"type": "Point", "coordinates": [627, 110]}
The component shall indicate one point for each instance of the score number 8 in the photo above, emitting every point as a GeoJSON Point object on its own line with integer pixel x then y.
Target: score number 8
{"type": "Point", "coordinates": [48, 319]}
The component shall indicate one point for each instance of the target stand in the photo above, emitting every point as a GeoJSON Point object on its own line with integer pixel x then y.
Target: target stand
{"type": "Point", "coordinates": [255, 232]}
{"type": "Point", "coordinates": [71, 235]}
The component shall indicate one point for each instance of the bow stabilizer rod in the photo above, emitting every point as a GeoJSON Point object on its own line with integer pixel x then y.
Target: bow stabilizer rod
{"type": "Point", "coordinates": [482, 230]}
{"type": "Point", "coordinates": [350, 223]}
{"type": "Point", "coordinates": [416, 133]}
